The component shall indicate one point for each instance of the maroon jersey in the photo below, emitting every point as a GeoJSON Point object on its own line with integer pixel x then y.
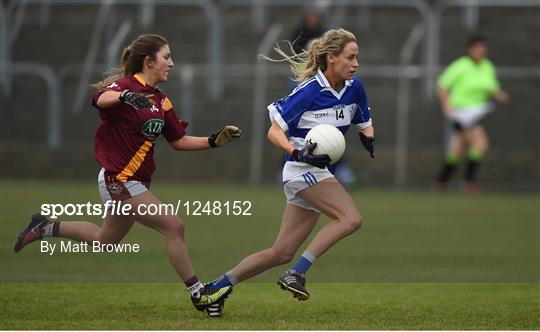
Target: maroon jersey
{"type": "Point", "coordinates": [125, 138]}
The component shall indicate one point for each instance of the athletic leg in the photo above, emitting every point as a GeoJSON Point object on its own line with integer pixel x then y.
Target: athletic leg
{"type": "Point", "coordinates": [296, 225]}
{"type": "Point", "coordinates": [113, 229]}
{"type": "Point", "coordinates": [478, 146]}
{"type": "Point", "coordinates": [173, 229]}
{"type": "Point", "coordinates": [329, 197]}
{"type": "Point", "coordinates": [170, 226]}
{"type": "Point", "coordinates": [455, 151]}
{"type": "Point", "coordinates": [477, 138]}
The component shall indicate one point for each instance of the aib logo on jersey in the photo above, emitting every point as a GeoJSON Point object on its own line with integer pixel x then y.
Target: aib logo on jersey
{"type": "Point", "coordinates": [152, 128]}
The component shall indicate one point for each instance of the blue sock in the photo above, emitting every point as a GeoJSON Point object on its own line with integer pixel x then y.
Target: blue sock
{"type": "Point", "coordinates": [303, 263]}
{"type": "Point", "coordinates": [227, 279]}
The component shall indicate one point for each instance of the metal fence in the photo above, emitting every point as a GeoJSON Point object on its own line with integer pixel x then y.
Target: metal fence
{"type": "Point", "coordinates": [423, 39]}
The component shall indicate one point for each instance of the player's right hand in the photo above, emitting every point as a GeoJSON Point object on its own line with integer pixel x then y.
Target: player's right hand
{"type": "Point", "coordinates": [305, 155]}
{"type": "Point", "coordinates": [134, 99]}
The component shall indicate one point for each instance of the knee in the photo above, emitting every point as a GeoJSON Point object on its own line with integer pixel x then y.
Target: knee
{"type": "Point", "coordinates": [353, 221]}
{"type": "Point", "coordinates": [280, 256]}
{"type": "Point", "coordinates": [176, 228]}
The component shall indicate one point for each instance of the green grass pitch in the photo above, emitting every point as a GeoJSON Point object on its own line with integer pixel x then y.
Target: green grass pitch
{"type": "Point", "coordinates": [421, 261]}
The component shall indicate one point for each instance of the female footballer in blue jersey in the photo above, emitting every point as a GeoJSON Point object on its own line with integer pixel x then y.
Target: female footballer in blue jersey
{"type": "Point", "coordinates": [328, 93]}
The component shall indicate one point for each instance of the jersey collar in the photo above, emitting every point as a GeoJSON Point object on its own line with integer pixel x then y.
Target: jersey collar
{"type": "Point", "coordinates": [140, 79]}
{"type": "Point", "coordinates": [323, 82]}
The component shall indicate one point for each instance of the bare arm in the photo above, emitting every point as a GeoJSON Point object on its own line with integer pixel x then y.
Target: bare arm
{"type": "Point", "coordinates": [191, 143]}
{"type": "Point", "coordinates": [442, 93]}
{"type": "Point", "coordinates": [108, 99]}
{"type": "Point", "coordinates": [277, 136]}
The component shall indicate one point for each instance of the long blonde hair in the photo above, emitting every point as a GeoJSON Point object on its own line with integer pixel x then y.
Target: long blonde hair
{"type": "Point", "coordinates": [305, 64]}
{"type": "Point", "coordinates": [132, 59]}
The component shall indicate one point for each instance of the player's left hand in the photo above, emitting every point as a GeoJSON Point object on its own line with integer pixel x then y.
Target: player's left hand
{"type": "Point", "coordinates": [224, 136]}
{"type": "Point", "coordinates": [367, 142]}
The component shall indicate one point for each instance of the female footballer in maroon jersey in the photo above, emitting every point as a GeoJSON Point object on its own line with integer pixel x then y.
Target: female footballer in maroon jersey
{"type": "Point", "coordinates": [134, 112]}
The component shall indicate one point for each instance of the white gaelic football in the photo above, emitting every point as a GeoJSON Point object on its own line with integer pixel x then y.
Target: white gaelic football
{"type": "Point", "coordinates": [329, 141]}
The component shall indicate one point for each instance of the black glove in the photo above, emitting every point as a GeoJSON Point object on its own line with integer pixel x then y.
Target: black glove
{"type": "Point", "coordinates": [224, 136]}
{"type": "Point", "coordinates": [305, 155]}
{"type": "Point", "coordinates": [134, 99]}
{"type": "Point", "coordinates": [367, 142]}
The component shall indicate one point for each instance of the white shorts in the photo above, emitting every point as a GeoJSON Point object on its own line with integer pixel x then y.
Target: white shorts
{"type": "Point", "coordinates": [469, 116]}
{"type": "Point", "coordinates": [301, 182]}
{"type": "Point", "coordinates": [111, 189]}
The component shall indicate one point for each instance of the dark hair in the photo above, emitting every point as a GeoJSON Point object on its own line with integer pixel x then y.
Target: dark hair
{"type": "Point", "coordinates": [132, 59]}
{"type": "Point", "coordinates": [475, 39]}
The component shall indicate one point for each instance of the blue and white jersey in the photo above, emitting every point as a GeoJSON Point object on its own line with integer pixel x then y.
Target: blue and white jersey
{"type": "Point", "coordinates": [315, 102]}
